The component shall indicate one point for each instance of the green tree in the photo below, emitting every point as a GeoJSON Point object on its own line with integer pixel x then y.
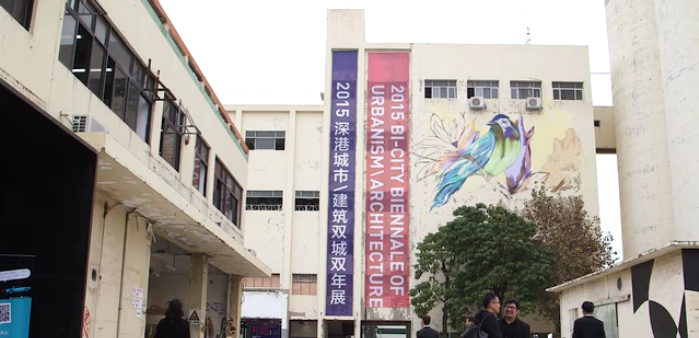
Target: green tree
{"type": "Point", "coordinates": [484, 248]}
{"type": "Point", "coordinates": [575, 238]}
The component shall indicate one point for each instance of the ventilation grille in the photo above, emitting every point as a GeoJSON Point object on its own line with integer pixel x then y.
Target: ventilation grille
{"type": "Point", "coordinates": [79, 123]}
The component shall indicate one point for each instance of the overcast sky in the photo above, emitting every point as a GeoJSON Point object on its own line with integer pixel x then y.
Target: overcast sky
{"type": "Point", "coordinates": [273, 52]}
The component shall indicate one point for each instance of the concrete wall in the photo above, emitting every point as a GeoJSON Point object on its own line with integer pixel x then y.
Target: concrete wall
{"type": "Point", "coordinates": [264, 304]}
{"type": "Point", "coordinates": [563, 144]}
{"type": "Point", "coordinates": [642, 142]}
{"type": "Point", "coordinates": [286, 240]}
{"type": "Point", "coordinates": [266, 236]}
{"type": "Point", "coordinates": [305, 256]}
{"type": "Point", "coordinates": [304, 306]}
{"type": "Point", "coordinates": [267, 168]}
{"type": "Point", "coordinates": [114, 258]}
{"type": "Point", "coordinates": [605, 129]}
{"type": "Point", "coordinates": [653, 54]}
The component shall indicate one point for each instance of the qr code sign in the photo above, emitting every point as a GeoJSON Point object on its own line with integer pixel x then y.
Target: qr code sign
{"type": "Point", "coordinates": [5, 313]}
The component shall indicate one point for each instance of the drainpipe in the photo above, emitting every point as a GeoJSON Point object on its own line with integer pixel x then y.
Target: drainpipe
{"type": "Point", "coordinates": [123, 268]}
{"type": "Point", "coordinates": [228, 296]}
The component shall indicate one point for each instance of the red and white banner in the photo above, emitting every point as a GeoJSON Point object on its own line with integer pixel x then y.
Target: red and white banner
{"type": "Point", "coordinates": [387, 265]}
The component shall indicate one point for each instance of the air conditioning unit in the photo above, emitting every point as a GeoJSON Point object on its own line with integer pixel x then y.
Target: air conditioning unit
{"type": "Point", "coordinates": [476, 103]}
{"type": "Point", "coordinates": [85, 123]}
{"type": "Point", "coordinates": [533, 103]}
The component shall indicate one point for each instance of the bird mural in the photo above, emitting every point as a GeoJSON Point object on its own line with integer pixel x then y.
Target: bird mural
{"type": "Point", "coordinates": [454, 155]}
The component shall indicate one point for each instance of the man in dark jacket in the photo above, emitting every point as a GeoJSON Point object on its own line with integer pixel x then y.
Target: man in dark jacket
{"type": "Point", "coordinates": [486, 318]}
{"type": "Point", "coordinates": [510, 325]}
{"type": "Point", "coordinates": [588, 326]}
{"type": "Point", "coordinates": [426, 331]}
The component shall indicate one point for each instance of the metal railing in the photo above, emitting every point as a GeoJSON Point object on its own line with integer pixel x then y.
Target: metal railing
{"type": "Point", "coordinates": [306, 208]}
{"type": "Point", "coordinates": [263, 207]}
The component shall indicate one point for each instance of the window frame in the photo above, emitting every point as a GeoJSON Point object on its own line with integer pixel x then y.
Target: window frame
{"type": "Point", "coordinates": [430, 85]}
{"type": "Point", "coordinates": [279, 137]}
{"type": "Point", "coordinates": [534, 86]}
{"type": "Point", "coordinates": [308, 195]}
{"type": "Point", "coordinates": [492, 87]}
{"type": "Point", "coordinates": [578, 90]}
{"type": "Point", "coordinates": [250, 283]}
{"type": "Point", "coordinates": [309, 282]}
{"type": "Point", "coordinates": [136, 75]}
{"type": "Point", "coordinates": [25, 15]}
{"type": "Point", "coordinates": [270, 195]}
{"type": "Point", "coordinates": [203, 161]}
{"type": "Point", "coordinates": [221, 175]}
{"type": "Point", "coordinates": [177, 126]}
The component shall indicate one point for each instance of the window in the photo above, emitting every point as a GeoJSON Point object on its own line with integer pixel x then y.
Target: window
{"type": "Point", "coordinates": [98, 57]}
{"type": "Point", "coordinates": [568, 91]}
{"type": "Point", "coordinates": [304, 284]}
{"type": "Point", "coordinates": [21, 10]}
{"type": "Point", "coordinates": [307, 201]}
{"type": "Point", "coordinates": [263, 200]}
{"type": "Point", "coordinates": [435, 89]}
{"type": "Point", "coordinates": [262, 282]}
{"type": "Point", "coordinates": [572, 316]}
{"type": "Point", "coordinates": [274, 140]}
{"type": "Point", "coordinates": [201, 166]}
{"type": "Point", "coordinates": [171, 133]}
{"type": "Point", "coordinates": [227, 194]}
{"type": "Point", "coordinates": [484, 89]}
{"type": "Point", "coordinates": [523, 90]}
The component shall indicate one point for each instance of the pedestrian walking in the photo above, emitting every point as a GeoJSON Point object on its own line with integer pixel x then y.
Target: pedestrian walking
{"type": "Point", "coordinates": [588, 326]}
{"type": "Point", "coordinates": [173, 325]}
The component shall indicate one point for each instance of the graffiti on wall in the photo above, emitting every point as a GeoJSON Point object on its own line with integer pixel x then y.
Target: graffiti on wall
{"type": "Point", "coordinates": [662, 291]}
{"type": "Point", "coordinates": [497, 152]}
{"type": "Point", "coordinates": [86, 325]}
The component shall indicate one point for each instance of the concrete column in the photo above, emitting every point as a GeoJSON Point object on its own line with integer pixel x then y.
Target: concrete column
{"type": "Point", "coordinates": [358, 278]}
{"type": "Point", "coordinates": [239, 120]}
{"type": "Point", "coordinates": [357, 327]}
{"type": "Point", "coordinates": [198, 285]}
{"type": "Point", "coordinates": [285, 314]}
{"type": "Point", "coordinates": [677, 27]}
{"type": "Point", "coordinates": [235, 289]}
{"type": "Point", "coordinates": [289, 197]}
{"type": "Point", "coordinates": [642, 143]}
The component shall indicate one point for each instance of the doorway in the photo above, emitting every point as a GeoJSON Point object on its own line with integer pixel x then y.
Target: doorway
{"type": "Point", "coordinates": [46, 203]}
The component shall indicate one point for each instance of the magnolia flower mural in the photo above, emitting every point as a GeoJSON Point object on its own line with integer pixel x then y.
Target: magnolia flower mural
{"type": "Point", "coordinates": [453, 154]}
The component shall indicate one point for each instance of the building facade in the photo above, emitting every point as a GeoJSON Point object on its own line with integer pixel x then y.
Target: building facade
{"type": "Point", "coordinates": [128, 184]}
{"type": "Point", "coordinates": [348, 189]}
{"type": "Point", "coordinates": [655, 292]}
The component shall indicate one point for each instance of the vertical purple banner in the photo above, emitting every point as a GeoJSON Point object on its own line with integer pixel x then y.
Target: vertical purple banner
{"type": "Point", "coordinates": [343, 140]}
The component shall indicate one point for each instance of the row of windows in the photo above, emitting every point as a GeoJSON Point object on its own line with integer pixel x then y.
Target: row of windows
{"type": "Point", "coordinates": [100, 58]}
{"type": "Point", "coordinates": [519, 90]}
{"type": "Point", "coordinates": [273, 200]}
{"type": "Point", "coordinates": [301, 284]}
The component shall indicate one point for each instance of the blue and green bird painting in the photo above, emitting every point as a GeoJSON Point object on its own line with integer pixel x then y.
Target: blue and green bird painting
{"type": "Point", "coordinates": [504, 148]}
